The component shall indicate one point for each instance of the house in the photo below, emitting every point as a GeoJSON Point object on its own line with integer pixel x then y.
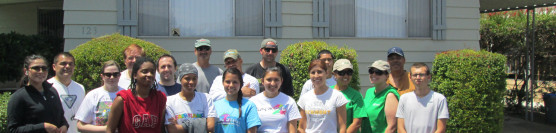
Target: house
{"type": "Point", "coordinates": [421, 27]}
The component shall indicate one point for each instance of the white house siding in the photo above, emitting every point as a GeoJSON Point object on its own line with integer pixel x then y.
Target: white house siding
{"type": "Point", "coordinates": [462, 32]}
{"type": "Point", "coordinates": [22, 17]}
{"type": "Point", "coordinates": [87, 19]}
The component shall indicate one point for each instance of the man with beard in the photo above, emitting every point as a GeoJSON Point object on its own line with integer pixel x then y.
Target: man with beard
{"type": "Point", "coordinates": [206, 72]}
{"type": "Point", "coordinates": [232, 59]}
{"type": "Point", "coordinates": [71, 93]}
{"type": "Point", "coordinates": [399, 78]}
{"type": "Point", "coordinates": [269, 51]}
{"type": "Point", "coordinates": [166, 66]}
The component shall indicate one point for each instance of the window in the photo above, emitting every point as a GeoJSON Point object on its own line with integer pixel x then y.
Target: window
{"type": "Point", "coordinates": [376, 18]}
{"type": "Point", "coordinates": [200, 18]}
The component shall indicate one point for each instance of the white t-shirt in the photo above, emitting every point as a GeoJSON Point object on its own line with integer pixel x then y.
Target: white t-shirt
{"type": "Point", "coordinates": [275, 113]}
{"type": "Point", "coordinates": [321, 110]}
{"type": "Point", "coordinates": [217, 89]}
{"type": "Point", "coordinates": [96, 106]}
{"type": "Point", "coordinates": [421, 114]}
{"type": "Point", "coordinates": [125, 80]}
{"type": "Point", "coordinates": [200, 107]}
{"type": "Point", "coordinates": [308, 86]}
{"type": "Point", "coordinates": [71, 97]}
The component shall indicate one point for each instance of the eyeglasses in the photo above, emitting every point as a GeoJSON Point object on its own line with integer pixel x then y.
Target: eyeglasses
{"type": "Point", "coordinates": [39, 68]}
{"type": "Point", "coordinates": [376, 71]}
{"type": "Point", "coordinates": [345, 72]}
{"type": "Point", "coordinates": [203, 48]}
{"type": "Point", "coordinates": [274, 50]}
{"type": "Point", "coordinates": [115, 74]}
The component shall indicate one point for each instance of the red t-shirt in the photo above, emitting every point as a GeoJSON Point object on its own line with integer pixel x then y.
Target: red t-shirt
{"type": "Point", "coordinates": [142, 114]}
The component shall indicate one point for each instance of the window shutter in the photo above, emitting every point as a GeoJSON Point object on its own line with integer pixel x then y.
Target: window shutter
{"type": "Point", "coordinates": [127, 17]}
{"type": "Point", "coordinates": [439, 19]}
{"type": "Point", "coordinates": [321, 19]}
{"type": "Point", "coordinates": [273, 18]}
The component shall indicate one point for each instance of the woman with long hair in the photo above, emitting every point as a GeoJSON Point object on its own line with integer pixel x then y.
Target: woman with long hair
{"type": "Point", "coordinates": [93, 112]}
{"type": "Point", "coordinates": [36, 107]}
{"type": "Point", "coordinates": [322, 109]}
{"type": "Point", "coordinates": [140, 108]}
{"type": "Point", "coordinates": [189, 111]}
{"type": "Point", "coordinates": [278, 112]}
{"type": "Point", "coordinates": [381, 101]}
{"type": "Point", "coordinates": [235, 113]}
{"type": "Point", "coordinates": [343, 70]}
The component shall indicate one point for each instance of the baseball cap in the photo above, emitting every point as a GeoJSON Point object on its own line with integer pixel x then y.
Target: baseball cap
{"type": "Point", "coordinates": [395, 50]}
{"type": "Point", "coordinates": [202, 42]}
{"type": "Point", "coordinates": [231, 53]}
{"type": "Point", "coordinates": [267, 43]}
{"type": "Point", "coordinates": [380, 65]}
{"type": "Point", "coordinates": [186, 68]}
{"type": "Point", "coordinates": [342, 64]}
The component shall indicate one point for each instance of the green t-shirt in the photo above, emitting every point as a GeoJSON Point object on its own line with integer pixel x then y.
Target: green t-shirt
{"type": "Point", "coordinates": [374, 107]}
{"type": "Point", "coordinates": [354, 108]}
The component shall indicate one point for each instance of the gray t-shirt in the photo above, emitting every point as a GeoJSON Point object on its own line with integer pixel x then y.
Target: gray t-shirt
{"type": "Point", "coordinates": [205, 77]}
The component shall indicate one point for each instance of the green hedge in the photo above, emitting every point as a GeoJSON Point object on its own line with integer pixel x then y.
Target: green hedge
{"type": "Point", "coordinates": [90, 55]}
{"type": "Point", "coordinates": [14, 47]}
{"type": "Point", "coordinates": [474, 83]}
{"type": "Point", "coordinates": [298, 56]}
{"type": "Point", "coordinates": [4, 98]}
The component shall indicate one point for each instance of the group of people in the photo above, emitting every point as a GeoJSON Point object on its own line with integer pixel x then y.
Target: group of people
{"type": "Point", "coordinates": [160, 96]}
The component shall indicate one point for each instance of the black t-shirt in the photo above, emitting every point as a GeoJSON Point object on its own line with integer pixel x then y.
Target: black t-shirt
{"type": "Point", "coordinates": [257, 71]}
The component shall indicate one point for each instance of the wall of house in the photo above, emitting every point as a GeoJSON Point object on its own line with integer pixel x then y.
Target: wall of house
{"type": "Point", "coordinates": [22, 17]}
{"type": "Point", "coordinates": [462, 32]}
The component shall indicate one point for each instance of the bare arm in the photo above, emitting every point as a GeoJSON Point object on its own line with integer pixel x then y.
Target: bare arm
{"type": "Point", "coordinates": [210, 124]}
{"type": "Point", "coordinates": [441, 125]}
{"type": "Point", "coordinates": [292, 126]}
{"type": "Point", "coordinates": [115, 114]}
{"type": "Point", "coordinates": [401, 126]}
{"type": "Point", "coordinates": [89, 128]}
{"type": "Point", "coordinates": [390, 108]}
{"type": "Point", "coordinates": [302, 121]}
{"type": "Point", "coordinates": [341, 114]}
{"type": "Point", "coordinates": [355, 125]}
{"type": "Point", "coordinates": [252, 129]}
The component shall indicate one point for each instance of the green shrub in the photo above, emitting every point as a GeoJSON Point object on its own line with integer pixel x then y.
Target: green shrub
{"type": "Point", "coordinates": [90, 55]}
{"type": "Point", "coordinates": [298, 56]}
{"type": "Point", "coordinates": [474, 83]}
{"type": "Point", "coordinates": [4, 98]}
{"type": "Point", "coordinates": [14, 47]}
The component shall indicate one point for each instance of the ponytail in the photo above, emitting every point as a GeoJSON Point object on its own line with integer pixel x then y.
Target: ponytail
{"type": "Point", "coordinates": [236, 72]}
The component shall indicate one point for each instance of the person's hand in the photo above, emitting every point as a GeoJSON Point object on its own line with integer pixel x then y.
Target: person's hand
{"type": "Point", "coordinates": [50, 128]}
{"type": "Point", "coordinates": [63, 129]}
{"type": "Point", "coordinates": [247, 92]}
{"type": "Point", "coordinates": [173, 121]}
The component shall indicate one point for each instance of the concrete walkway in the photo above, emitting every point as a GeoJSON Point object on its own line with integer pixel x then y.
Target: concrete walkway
{"type": "Point", "coordinates": [518, 125]}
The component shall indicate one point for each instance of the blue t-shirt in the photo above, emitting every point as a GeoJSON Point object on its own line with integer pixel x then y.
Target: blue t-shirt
{"type": "Point", "coordinates": [227, 116]}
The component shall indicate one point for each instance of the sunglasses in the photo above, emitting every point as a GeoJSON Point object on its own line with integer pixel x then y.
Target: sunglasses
{"type": "Point", "coordinates": [345, 72]}
{"type": "Point", "coordinates": [115, 74]}
{"type": "Point", "coordinates": [376, 71]}
{"type": "Point", "coordinates": [39, 68]}
{"type": "Point", "coordinates": [274, 50]}
{"type": "Point", "coordinates": [203, 48]}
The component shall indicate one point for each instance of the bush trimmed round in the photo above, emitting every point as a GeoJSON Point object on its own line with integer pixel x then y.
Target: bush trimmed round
{"type": "Point", "coordinates": [90, 55]}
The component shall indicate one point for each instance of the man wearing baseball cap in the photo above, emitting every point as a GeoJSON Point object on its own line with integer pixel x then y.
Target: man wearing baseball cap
{"type": "Point", "coordinates": [250, 84]}
{"type": "Point", "coordinates": [206, 71]}
{"type": "Point", "coordinates": [269, 51]}
{"type": "Point", "coordinates": [399, 78]}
